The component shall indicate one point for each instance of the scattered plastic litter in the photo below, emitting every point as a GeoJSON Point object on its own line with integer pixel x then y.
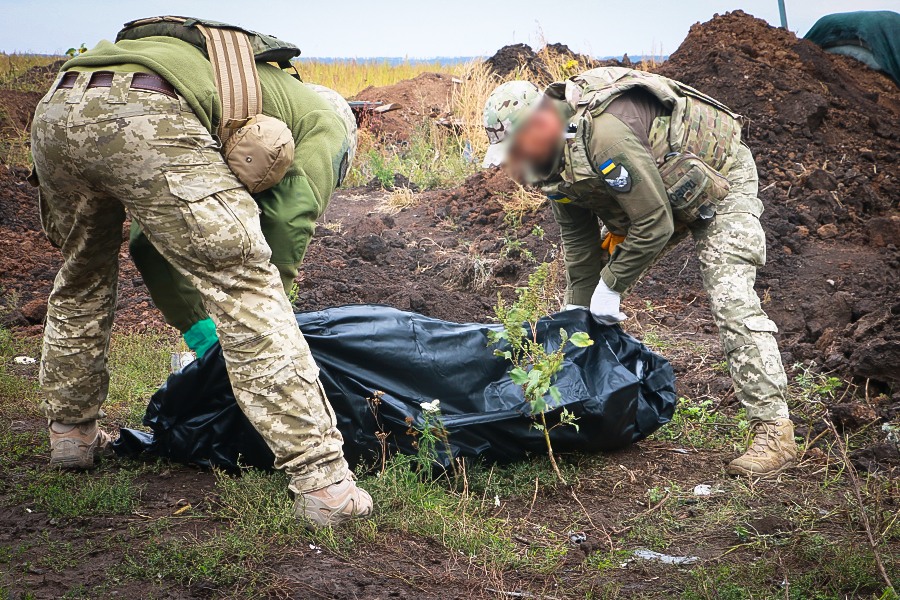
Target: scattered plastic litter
{"type": "Point", "coordinates": [665, 559]}
{"type": "Point", "coordinates": [703, 490]}
{"type": "Point", "coordinates": [577, 537]}
{"type": "Point", "coordinates": [181, 359]}
{"type": "Point", "coordinates": [24, 360]}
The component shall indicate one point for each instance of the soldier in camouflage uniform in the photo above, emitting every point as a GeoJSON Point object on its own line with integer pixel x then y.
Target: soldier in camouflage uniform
{"type": "Point", "coordinates": [288, 214]}
{"type": "Point", "coordinates": [114, 137]}
{"type": "Point", "coordinates": [655, 160]}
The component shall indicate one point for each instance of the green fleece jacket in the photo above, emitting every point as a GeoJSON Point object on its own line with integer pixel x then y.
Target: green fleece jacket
{"type": "Point", "coordinates": [319, 133]}
{"type": "Point", "coordinates": [289, 209]}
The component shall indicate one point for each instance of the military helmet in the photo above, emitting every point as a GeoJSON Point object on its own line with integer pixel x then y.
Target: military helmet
{"type": "Point", "coordinates": [506, 109]}
{"type": "Point", "coordinates": [346, 113]}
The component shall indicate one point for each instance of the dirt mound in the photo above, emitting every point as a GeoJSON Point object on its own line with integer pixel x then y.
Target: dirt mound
{"type": "Point", "coordinates": [39, 77]}
{"type": "Point", "coordinates": [446, 257]}
{"type": "Point", "coordinates": [28, 265]}
{"type": "Point", "coordinates": [426, 96]}
{"type": "Point", "coordinates": [521, 60]}
{"type": "Point", "coordinates": [16, 111]}
{"type": "Point", "coordinates": [826, 134]}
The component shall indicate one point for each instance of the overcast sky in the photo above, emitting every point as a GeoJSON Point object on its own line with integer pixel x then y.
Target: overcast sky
{"type": "Point", "coordinates": [413, 28]}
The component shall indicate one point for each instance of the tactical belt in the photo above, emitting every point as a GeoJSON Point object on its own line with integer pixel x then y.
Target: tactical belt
{"type": "Point", "coordinates": [103, 79]}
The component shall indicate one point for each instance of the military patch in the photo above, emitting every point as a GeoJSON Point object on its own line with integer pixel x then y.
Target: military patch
{"type": "Point", "coordinates": [559, 198]}
{"type": "Point", "coordinates": [616, 176]}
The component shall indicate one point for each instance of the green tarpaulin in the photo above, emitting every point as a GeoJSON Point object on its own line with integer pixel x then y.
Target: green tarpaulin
{"type": "Point", "coordinates": [870, 36]}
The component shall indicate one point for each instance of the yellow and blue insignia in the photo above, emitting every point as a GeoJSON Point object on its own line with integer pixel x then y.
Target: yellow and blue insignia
{"type": "Point", "coordinates": [607, 167]}
{"type": "Point", "coordinates": [616, 176]}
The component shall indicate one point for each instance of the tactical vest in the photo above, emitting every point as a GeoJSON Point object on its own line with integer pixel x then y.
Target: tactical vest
{"type": "Point", "coordinates": [698, 126]}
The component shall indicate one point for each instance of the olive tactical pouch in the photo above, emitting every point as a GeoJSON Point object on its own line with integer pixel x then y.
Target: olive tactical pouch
{"type": "Point", "coordinates": [693, 187]}
{"type": "Point", "coordinates": [257, 157]}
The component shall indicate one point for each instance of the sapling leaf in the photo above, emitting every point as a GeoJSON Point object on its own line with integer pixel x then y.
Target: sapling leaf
{"type": "Point", "coordinates": [554, 393]}
{"type": "Point", "coordinates": [518, 375]}
{"type": "Point", "coordinates": [581, 339]}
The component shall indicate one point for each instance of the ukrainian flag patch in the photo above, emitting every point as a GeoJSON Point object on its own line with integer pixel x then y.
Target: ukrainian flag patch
{"type": "Point", "coordinates": [607, 167]}
{"type": "Point", "coordinates": [616, 176]}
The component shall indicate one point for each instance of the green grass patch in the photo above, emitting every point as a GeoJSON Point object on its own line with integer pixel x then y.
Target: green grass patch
{"type": "Point", "coordinates": [697, 424]}
{"type": "Point", "coordinates": [72, 494]}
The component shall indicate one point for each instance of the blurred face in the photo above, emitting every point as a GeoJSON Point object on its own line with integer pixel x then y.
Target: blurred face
{"type": "Point", "coordinates": [536, 144]}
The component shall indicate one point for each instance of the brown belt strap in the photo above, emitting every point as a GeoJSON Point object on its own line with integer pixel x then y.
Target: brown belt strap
{"type": "Point", "coordinates": [104, 79]}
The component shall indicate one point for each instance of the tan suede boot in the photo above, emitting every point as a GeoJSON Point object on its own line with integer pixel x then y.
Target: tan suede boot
{"type": "Point", "coordinates": [74, 446]}
{"type": "Point", "coordinates": [333, 505]}
{"type": "Point", "coordinates": [773, 450]}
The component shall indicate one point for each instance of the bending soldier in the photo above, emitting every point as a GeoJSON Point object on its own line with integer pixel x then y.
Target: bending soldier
{"type": "Point", "coordinates": [655, 160]}
{"type": "Point", "coordinates": [135, 127]}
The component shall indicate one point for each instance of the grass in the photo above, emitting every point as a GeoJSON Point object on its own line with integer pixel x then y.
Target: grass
{"type": "Point", "coordinates": [349, 77]}
{"type": "Point", "coordinates": [68, 494]}
{"type": "Point", "coordinates": [234, 540]}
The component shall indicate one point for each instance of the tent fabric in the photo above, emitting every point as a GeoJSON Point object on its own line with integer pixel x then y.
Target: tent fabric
{"type": "Point", "coordinates": [876, 31]}
{"type": "Point", "coordinates": [619, 390]}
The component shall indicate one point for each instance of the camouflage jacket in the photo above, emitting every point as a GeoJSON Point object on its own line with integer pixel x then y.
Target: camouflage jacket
{"type": "Point", "coordinates": [611, 168]}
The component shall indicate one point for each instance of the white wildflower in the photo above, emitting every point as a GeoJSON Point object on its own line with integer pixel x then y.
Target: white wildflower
{"type": "Point", "coordinates": [431, 407]}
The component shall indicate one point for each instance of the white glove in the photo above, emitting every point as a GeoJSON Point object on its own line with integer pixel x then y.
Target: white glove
{"type": "Point", "coordinates": [573, 307]}
{"type": "Point", "coordinates": [605, 305]}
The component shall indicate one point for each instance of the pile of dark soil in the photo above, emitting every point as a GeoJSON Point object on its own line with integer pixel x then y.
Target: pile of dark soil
{"type": "Point", "coordinates": [28, 265]}
{"type": "Point", "coordinates": [522, 61]}
{"type": "Point", "coordinates": [446, 257]}
{"type": "Point", "coordinates": [825, 131]}
{"type": "Point", "coordinates": [39, 77]}
{"type": "Point", "coordinates": [16, 111]}
{"type": "Point", "coordinates": [427, 96]}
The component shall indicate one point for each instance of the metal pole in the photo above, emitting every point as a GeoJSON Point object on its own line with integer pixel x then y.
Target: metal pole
{"type": "Point", "coordinates": [783, 13]}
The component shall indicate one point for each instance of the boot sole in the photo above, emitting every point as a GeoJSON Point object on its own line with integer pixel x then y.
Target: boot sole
{"type": "Point", "coordinates": [738, 471]}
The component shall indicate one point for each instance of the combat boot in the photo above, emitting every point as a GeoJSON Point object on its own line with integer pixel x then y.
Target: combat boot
{"type": "Point", "coordinates": [773, 450]}
{"type": "Point", "coordinates": [333, 505]}
{"type": "Point", "coordinates": [74, 446]}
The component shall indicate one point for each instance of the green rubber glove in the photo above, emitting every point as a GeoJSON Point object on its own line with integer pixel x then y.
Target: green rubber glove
{"type": "Point", "coordinates": [201, 336]}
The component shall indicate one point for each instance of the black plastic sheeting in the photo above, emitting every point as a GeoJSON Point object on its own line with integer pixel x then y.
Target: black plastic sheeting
{"type": "Point", "coordinates": [619, 390]}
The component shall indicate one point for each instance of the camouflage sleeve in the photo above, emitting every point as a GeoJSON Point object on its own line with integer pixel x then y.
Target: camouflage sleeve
{"type": "Point", "coordinates": [634, 183]}
{"type": "Point", "coordinates": [580, 232]}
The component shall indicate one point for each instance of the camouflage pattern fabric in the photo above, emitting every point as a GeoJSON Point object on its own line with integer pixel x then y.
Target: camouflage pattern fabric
{"type": "Point", "coordinates": [342, 107]}
{"type": "Point", "coordinates": [104, 151]}
{"type": "Point", "coordinates": [730, 248]}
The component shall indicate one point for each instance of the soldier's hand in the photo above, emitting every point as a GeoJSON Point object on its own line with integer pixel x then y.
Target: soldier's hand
{"type": "Point", "coordinates": [611, 241]}
{"type": "Point", "coordinates": [605, 305]}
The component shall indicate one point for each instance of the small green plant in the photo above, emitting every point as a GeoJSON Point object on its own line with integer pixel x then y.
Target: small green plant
{"type": "Point", "coordinates": [815, 386]}
{"type": "Point", "coordinates": [538, 232]}
{"type": "Point", "coordinates": [294, 294]}
{"type": "Point", "coordinates": [533, 367]}
{"type": "Point", "coordinates": [73, 52]}
{"type": "Point", "coordinates": [432, 438]}
{"type": "Point", "coordinates": [514, 248]}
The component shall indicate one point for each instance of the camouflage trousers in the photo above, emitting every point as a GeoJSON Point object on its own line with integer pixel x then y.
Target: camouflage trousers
{"type": "Point", "coordinates": [104, 151]}
{"type": "Point", "coordinates": [730, 247]}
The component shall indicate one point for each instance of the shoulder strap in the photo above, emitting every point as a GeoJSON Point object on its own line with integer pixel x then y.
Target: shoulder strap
{"type": "Point", "coordinates": [237, 79]}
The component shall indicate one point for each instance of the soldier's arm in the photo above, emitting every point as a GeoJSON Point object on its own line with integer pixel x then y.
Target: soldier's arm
{"type": "Point", "coordinates": [289, 209]}
{"type": "Point", "coordinates": [580, 232]}
{"type": "Point", "coordinates": [633, 181]}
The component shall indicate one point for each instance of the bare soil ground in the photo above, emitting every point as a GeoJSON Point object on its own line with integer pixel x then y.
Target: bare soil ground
{"type": "Point", "coordinates": [825, 133]}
